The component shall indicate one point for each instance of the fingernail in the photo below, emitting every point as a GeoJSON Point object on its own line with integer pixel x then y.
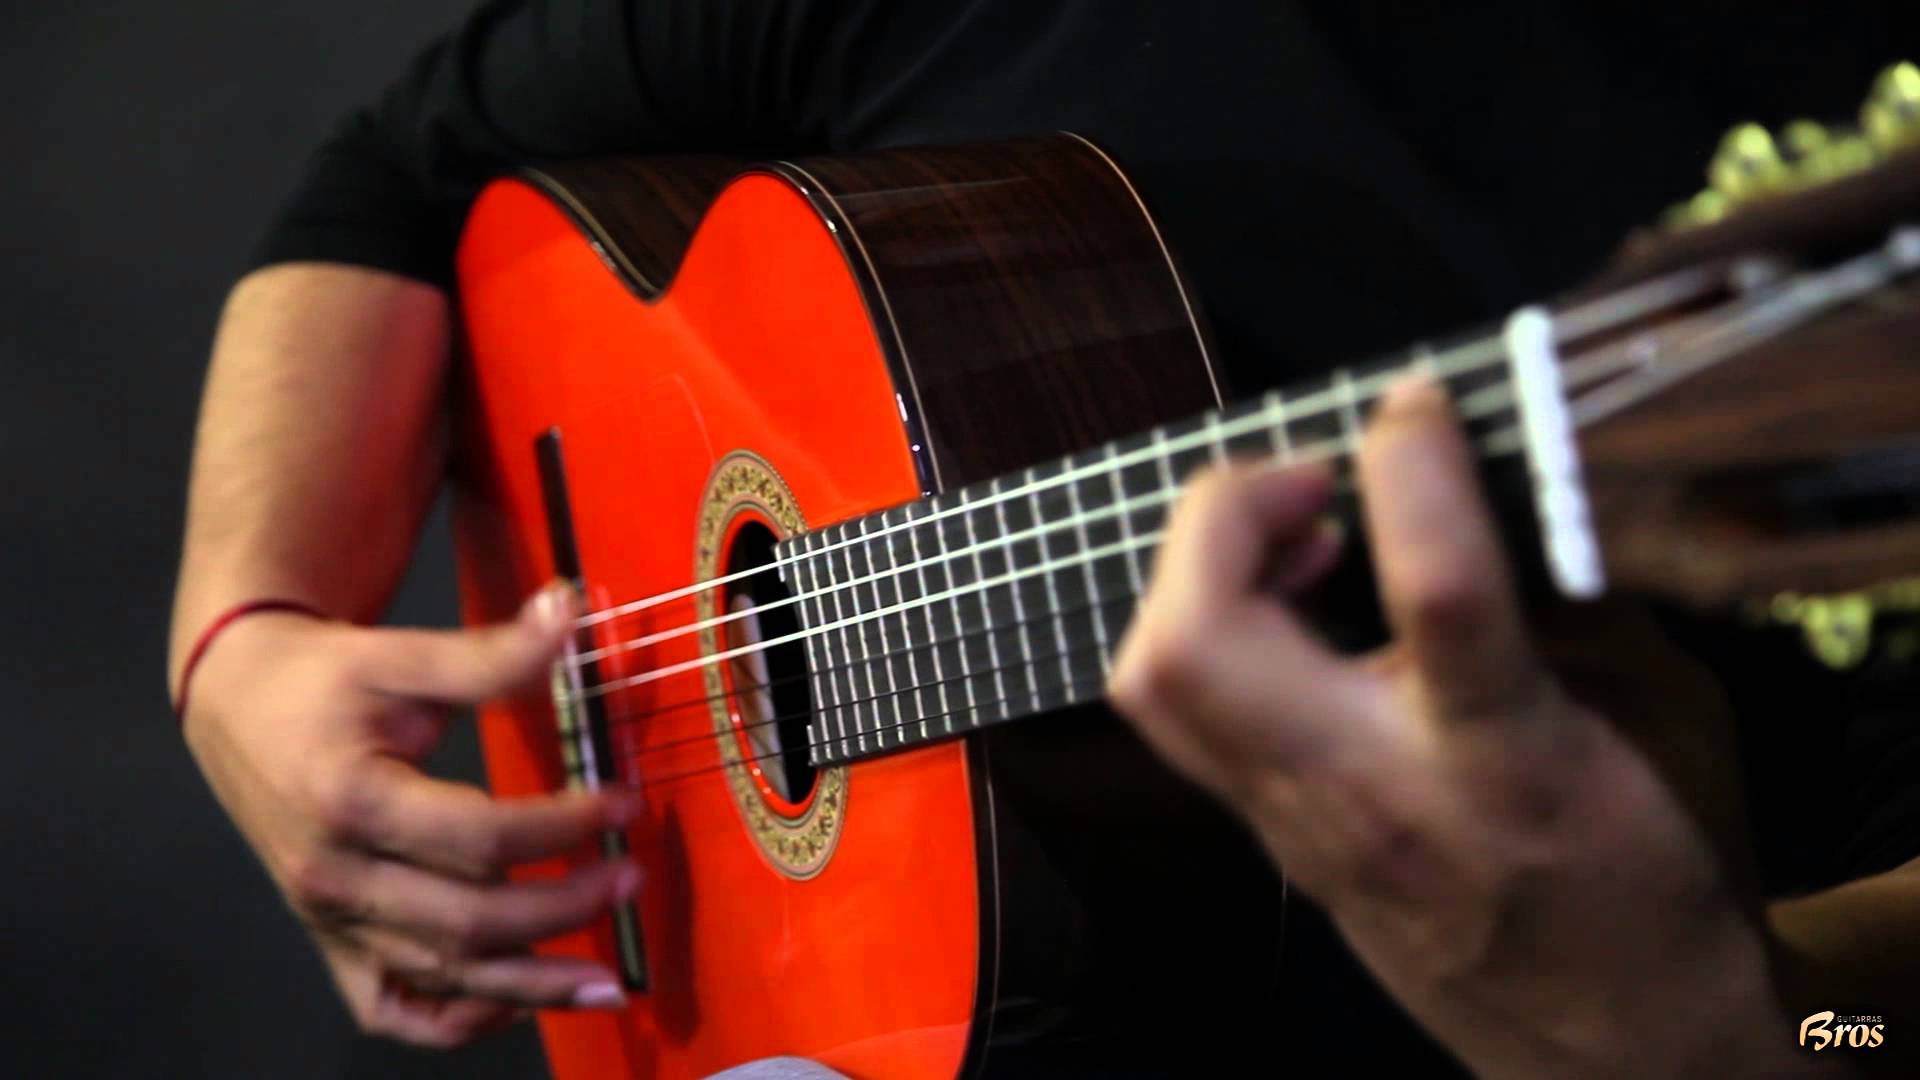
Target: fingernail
{"type": "Point", "coordinates": [1310, 471]}
{"type": "Point", "coordinates": [1410, 391]}
{"type": "Point", "coordinates": [552, 604]}
{"type": "Point", "coordinates": [600, 995]}
{"type": "Point", "coordinates": [626, 883]}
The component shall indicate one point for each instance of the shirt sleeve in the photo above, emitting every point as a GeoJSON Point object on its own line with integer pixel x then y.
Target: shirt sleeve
{"type": "Point", "coordinates": [521, 81]}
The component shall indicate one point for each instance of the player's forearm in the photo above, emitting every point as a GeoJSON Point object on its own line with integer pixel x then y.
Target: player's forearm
{"type": "Point", "coordinates": [320, 443]}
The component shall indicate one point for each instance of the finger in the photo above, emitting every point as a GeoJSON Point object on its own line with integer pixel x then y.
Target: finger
{"type": "Point", "coordinates": [473, 919]}
{"type": "Point", "coordinates": [1301, 564]}
{"type": "Point", "coordinates": [519, 978]}
{"type": "Point", "coordinates": [525, 980]}
{"type": "Point", "coordinates": [1206, 637]}
{"type": "Point", "coordinates": [1443, 574]}
{"type": "Point", "coordinates": [460, 829]}
{"type": "Point", "coordinates": [1229, 522]}
{"type": "Point", "coordinates": [382, 1004]}
{"type": "Point", "coordinates": [1222, 537]}
{"type": "Point", "coordinates": [433, 1020]}
{"type": "Point", "coordinates": [467, 667]}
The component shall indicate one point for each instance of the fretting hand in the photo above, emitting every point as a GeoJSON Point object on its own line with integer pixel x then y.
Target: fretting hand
{"type": "Point", "coordinates": [1522, 871]}
{"type": "Point", "coordinates": [310, 733]}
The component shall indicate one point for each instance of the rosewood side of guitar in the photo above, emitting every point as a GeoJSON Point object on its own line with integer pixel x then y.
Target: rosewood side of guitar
{"type": "Point", "coordinates": [965, 313]}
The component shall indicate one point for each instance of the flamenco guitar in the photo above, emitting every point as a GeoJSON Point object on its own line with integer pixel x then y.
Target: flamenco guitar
{"type": "Point", "coordinates": [860, 463]}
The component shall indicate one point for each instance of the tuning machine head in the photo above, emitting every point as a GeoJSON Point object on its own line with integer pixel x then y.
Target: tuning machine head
{"type": "Point", "coordinates": [1752, 163]}
{"type": "Point", "coordinates": [1747, 165]}
{"type": "Point", "coordinates": [1891, 116]}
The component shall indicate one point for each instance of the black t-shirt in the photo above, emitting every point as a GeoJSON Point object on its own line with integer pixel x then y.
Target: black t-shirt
{"type": "Point", "coordinates": [1339, 177]}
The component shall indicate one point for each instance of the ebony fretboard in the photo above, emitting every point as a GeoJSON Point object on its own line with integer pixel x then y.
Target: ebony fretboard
{"type": "Point", "coordinates": [1007, 598]}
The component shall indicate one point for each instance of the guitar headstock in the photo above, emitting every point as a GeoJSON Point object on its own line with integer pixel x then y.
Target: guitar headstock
{"type": "Point", "coordinates": [1759, 443]}
{"type": "Point", "coordinates": [1807, 189]}
{"type": "Point", "coordinates": [1754, 165]}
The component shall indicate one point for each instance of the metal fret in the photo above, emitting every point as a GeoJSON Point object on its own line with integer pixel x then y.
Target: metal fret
{"type": "Point", "coordinates": [986, 610]}
{"type": "Point", "coordinates": [1099, 618]}
{"type": "Point", "coordinates": [793, 572]}
{"type": "Point", "coordinates": [824, 672]}
{"type": "Point", "coordinates": [1349, 407]}
{"type": "Point", "coordinates": [1314, 426]}
{"type": "Point", "coordinates": [840, 623]}
{"type": "Point", "coordinates": [1013, 590]}
{"type": "Point", "coordinates": [1162, 458]}
{"type": "Point", "coordinates": [1276, 407]}
{"type": "Point", "coordinates": [1136, 578]}
{"type": "Point", "coordinates": [1216, 441]}
{"type": "Point", "coordinates": [859, 627]}
{"type": "Point", "coordinates": [1046, 577]}
{"type": "Point", "coordinates": [848, 673]}
{"type": "Point", "coordinates": [895, 576]}
{"type": "Point", "coordinates": [879, 624]}
{"type": "Point", "coordinates": [1423, 360]}
{"type": "Point", "coordinates": [959, 638]}
{"type": "Point", "coordinates": [1245, 428]}
{"type": "Point", "coordinates": [926, 613]}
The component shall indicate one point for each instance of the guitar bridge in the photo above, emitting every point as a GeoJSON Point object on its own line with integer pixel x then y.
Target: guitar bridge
{"type": "Point", "coordinates": [582, 719]}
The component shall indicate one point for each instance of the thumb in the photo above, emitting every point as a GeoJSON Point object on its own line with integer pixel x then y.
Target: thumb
{"type": "Point", "coordinates": [467, 667]}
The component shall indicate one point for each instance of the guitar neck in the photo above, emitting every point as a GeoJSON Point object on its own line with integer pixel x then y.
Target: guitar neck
{"type": "Point", "coordinates": [1006, 599]}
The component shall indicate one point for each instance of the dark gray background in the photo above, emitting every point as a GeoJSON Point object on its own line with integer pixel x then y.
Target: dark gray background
{"type": "Point", "coordinates": [142, 147]}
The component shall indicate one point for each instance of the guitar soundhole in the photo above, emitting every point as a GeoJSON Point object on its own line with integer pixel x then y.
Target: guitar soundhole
{"type": "Point", "coordinates": [770, 686]}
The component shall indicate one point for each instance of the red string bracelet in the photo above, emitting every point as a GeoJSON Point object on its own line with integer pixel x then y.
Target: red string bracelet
{"type": "Point", "coordinates": [231, 616]}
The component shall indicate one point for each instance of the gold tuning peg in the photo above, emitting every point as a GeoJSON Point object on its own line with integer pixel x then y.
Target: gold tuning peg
{"type": "Point", "coordinates": [1817, 154]}
{"type": "Point", "coordinates": [1704, 208]}
{"type": "Point", "coordinates": [1751, 165]}
{"type": "Point", "coordinates": [1805, 138]}
{"type": "Point", "coordinates": [1747, 165]}
{"type": "Point", "coordinates": [1891, 115]}
{"type": "Point", "coordinates": [1839, 629]}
